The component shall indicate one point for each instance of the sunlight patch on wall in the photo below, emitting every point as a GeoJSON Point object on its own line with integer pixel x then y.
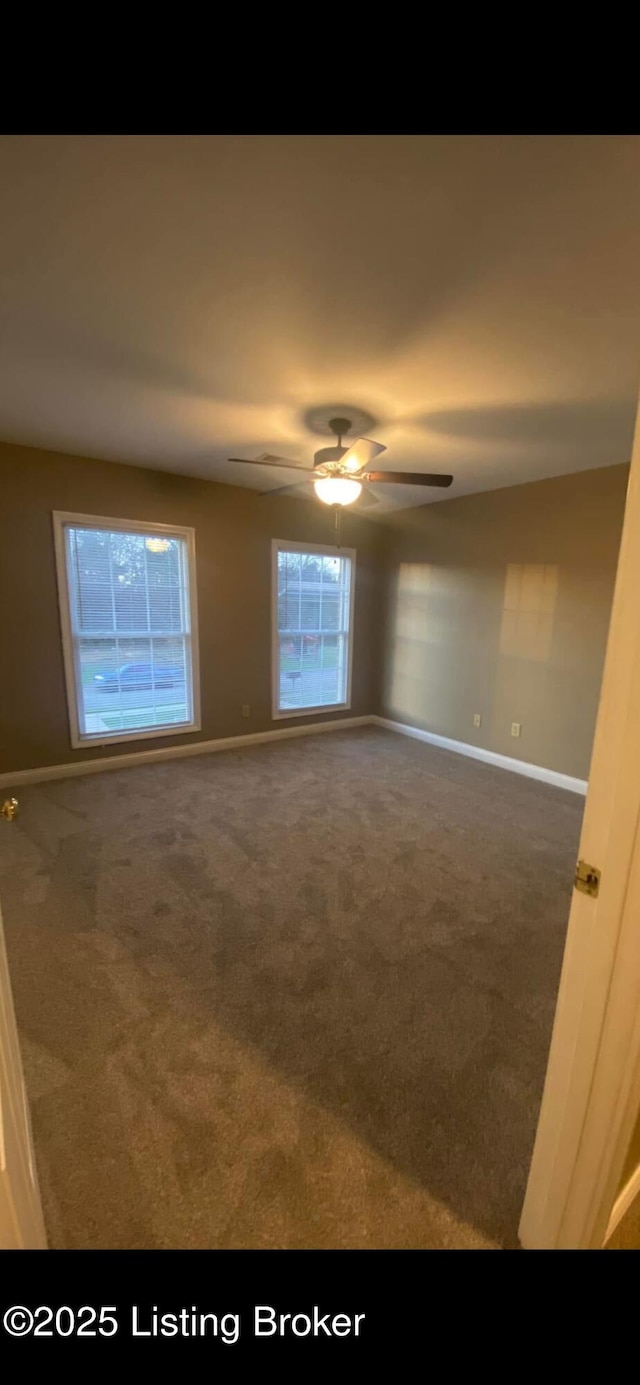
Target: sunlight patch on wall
{"type": "Point", "coordinates": [530, 596]}
{"type": "Point", "coordinates": [412, 632]}
{"type": "Point", "coordinates": [412, 601]}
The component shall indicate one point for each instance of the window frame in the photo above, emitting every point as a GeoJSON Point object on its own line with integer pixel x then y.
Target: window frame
{"type": "Point", "coordinates": [327, 551]}
{"type": "Point", "coordinates": [62, 518]}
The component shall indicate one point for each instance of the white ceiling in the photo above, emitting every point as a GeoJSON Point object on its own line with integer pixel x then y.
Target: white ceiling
{"type": "Point", "coordinates": [171, 300]}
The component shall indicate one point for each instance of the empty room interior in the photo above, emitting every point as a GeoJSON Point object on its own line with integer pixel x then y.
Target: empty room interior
{"type": "Point", "coordinates": [313, 472]}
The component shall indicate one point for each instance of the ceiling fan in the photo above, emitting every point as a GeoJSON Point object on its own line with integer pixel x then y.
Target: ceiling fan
{"type": "Point", "coordinates": [340, 475]}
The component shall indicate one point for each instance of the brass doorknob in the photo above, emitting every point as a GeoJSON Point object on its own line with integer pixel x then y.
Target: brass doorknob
{"type": "Point", "coordinates": [9, 809]}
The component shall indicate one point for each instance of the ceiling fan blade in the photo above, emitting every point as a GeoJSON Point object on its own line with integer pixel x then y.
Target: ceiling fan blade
{"type": "Point", "coordinates": [274, 459]}
{"type": "Point", "coordinates": [267, 460]}
{"type": "Point", "coordinates": [367, 499]}
{"type": "Point", "coordinates": [361, 454]}
{"type": "Point", "coordinates": [410, 478]}
{"type": "Point", "coordinates": [295, 489]}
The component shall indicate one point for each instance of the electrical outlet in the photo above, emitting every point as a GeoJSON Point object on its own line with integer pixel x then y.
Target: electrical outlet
{"type": "Point", "coordinates": [516, 727]}
{"type": "Point", "coordinates": [246, 710]}
{"type": "Point", "coordinates": [477, 719]}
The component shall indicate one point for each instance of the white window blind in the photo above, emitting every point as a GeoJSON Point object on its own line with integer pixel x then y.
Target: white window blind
{"type": "Point", "coordinates": [313, 628]}
{"type": "Point", "coordinates": [128, 626]}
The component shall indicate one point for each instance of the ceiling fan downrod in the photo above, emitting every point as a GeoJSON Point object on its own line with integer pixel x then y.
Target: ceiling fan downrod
{"type": "Point", "coordinates": [339, 426]}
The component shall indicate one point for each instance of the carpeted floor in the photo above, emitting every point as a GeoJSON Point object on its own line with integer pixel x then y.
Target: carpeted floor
{"type": "Point", "coordinates": [298, 995]}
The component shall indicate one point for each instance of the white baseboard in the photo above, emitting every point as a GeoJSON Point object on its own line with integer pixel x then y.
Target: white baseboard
{"type": "Point", "coordinates": [623, 1202]}
{"type": "Point", "coordinates": [176, 752]}
{"type": "Point", "coordinates": [490, 757]}
{"type": "Point", "coordinates": [72, 768]}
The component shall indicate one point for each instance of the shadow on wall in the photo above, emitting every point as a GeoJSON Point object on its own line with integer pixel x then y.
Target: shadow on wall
{"type": "Point", "coordinates": [460, 638]}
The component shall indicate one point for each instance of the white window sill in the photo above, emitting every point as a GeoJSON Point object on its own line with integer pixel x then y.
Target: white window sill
{"type": "Point", "coordinates": [310, 711]}
{"type": "Point", "coordinates": [139, 734]}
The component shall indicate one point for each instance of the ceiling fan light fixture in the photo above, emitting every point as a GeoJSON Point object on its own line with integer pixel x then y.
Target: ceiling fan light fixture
{"type": "Point", "coordinates": [337, 490]}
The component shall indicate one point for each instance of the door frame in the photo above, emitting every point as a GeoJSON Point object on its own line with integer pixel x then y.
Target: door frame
{"type": "Point", "coordinates": [21, 1218]}
{"type": "Point", "coordinates": [592, 1089]}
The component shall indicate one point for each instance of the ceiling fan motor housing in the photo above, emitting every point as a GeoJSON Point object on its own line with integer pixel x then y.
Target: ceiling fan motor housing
{"type": "Point", "coordinates": [329, 456]}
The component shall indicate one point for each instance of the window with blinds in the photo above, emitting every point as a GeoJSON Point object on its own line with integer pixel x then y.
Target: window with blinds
{"type": "Point", "coordinates": [128, 623]}
{"type": "Point", "coordinates": [313, 604]}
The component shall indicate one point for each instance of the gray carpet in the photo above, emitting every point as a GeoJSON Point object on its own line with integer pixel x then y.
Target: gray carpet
{"type": "Point", "coordinates": [298, 995]}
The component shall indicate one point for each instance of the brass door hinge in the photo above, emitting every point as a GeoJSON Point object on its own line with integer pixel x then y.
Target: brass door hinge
{"type": "Point", "coordinates": [587, 878]}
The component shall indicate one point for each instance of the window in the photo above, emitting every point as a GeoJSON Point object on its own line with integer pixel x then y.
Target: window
{"type": "Point", "coordinates": [128, 608]}
{"type": "Point", "coordinates": [312, 625]}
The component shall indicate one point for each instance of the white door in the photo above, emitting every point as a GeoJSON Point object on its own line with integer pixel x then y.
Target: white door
{"type": "Point", "coordinates": [21, 1221]}
{"type": "Point", "coordinates": [592, 1090]}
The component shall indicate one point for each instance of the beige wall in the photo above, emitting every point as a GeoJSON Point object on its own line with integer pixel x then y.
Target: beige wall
{"type": "Point", "coordinates": [499, 603]}
{"type": "Point", "coordinates": [234, 528]}
{"type": "Point", "coordinates": [495, 603]}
